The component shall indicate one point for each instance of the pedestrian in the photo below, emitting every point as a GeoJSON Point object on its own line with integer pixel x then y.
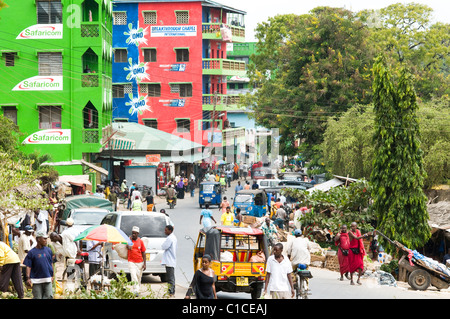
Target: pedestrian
{"type": "Point", "coordinates": [94, 248]}
{"type": "Point", "coordinates": [130, 192]}
{"type": "Point", "coordinates": [136, 205]}
{"type": "Point", "coordinates": [10, 270]}
{"type": "Point", "coordinates": [41, 220]}
{"type": "Point", "coordinates": [112, 197]}
{"type": "Point", "coordinates": [280, 217]}
{"type": "Point", "coordinates": [343, 242]}
{"type": "Point", "coordinates": [238, 187]}
{"type": "Point", "coordinates": [297, 217]}
{"type": "Point", "coordinates": [206, 217]}
{"type": "Point", "coordinates": [225, 203]}
{"type": "Point", "coordinates": [39, 263]}
{"type": "Point", "coordinates": [25, 243]}
{"type": "Point", "coordinates": [270, 231]}
{"type": "Point", "coordinates": [247, 185]}
{"type": "Point", "coordinates": [150, 201]}
{"type": "Point", "coordinates": [223, 182]}
{"type": "Point", "coordinates": [169, 258]}
{"type": "Point", "coordinates": [136, 259]}
{"type": "Point", "coordinates": [278, 275]}
{"type": "Point", "coordinates": [227, 217]}
{"type": "Point", "coordinates": [192, 186]}
{"type": "Point", "coordinates": [356, 253]}
{"type": "Point", "coordinates": [202, 285]}
{"type": "Point", "coordinates": [255, 185]}
{"type": "Point", "coordinates": [180, 189]}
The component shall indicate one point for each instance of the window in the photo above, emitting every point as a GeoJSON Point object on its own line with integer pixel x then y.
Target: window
{"type": "Point", "coordinates": [119, 90]}
{"type": "Point", "coordinates": [149, 55]}
{"type": "Point", "coordinates": [49, 117]}
{"type": "Point", "coordinates": [151, 123]}
{"type": "Point", "coordinates": [10, 112]}
{"type": "Point", "coordinates": [182, 55]}
{"type": "Point", "coordinates": [49, 11]}
{"type": "Point", "coordinates": [183, 125]}
{"type": "Point", "coordinates": [10, 58]}
{"type": "Point", "coordinates": [120, 55]}
{"type": "Point", "coordinates": [120, 18]}
{"type": "Point", "coordinates": [184, 89]}
{"type": "Point", "coordinates": [153, 89]}
{"type": "Point", "coordinates": [182, 17]}
{"type": "Point", "coordinates": [50, 63]}
{"type": "Point", "coordinates": [150, 17]}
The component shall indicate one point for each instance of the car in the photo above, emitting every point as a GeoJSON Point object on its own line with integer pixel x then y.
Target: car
{"type": "Point", "coordinates": [83, 218]}
{"type": "Point", "coordinates": [151, 231]}
{"type": "Point", "coordinates": [295, 184]}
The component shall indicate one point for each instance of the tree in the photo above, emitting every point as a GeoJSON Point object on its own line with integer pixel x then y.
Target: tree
{"type": "Point", "coordinates": [348, 148]}
{"type": "Point", "coordinates": [308, 68]}
{"type": "Point", "coordinates": [397, 175]}
{"type": "Point", "coordinates": [405, 34]}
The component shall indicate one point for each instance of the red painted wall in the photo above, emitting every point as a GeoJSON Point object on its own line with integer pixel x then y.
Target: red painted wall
{"type": "Point", "coordinates": [166, 55]}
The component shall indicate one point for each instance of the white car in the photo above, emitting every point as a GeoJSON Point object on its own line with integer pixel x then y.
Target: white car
{"type": "Point", "coordinates": [83, 218]}
{"type": "Point", "coordinates": [151, 230]}
{"type": "Point", "coordinates": [267, 183]}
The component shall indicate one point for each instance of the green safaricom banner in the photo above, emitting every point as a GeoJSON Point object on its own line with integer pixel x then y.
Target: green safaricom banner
{"type": "Point", "coordinates": [51, 136]}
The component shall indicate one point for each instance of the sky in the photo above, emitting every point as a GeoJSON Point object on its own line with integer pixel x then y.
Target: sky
{"type": "Point", "coordinates": [261, 10]}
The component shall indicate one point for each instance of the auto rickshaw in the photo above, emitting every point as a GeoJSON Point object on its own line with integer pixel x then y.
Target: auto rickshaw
{"type": "Point", "coordinates": [238, 256]}
{"type": "Point", "coordinates": [210, 193]}
{"type": "Point", "coordinates": [251, 202]}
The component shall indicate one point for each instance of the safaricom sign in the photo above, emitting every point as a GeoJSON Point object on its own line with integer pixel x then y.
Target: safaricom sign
{"type": "Point", "coordinates": [42, 31]}
{"type": "Point", "coordinates": [41, 83]}
{"type": "Point", "coordinates": [52, 136]}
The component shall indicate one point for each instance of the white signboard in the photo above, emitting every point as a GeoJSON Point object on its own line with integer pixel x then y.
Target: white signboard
{"type": "Point", "coordinates": [174, 31]}
{"type": "Point", "coordinates": [41, 83]}
{"type": "Point", "coordinates": [42, 31]}
{"type": "Point", "coordinates": [52, 136]}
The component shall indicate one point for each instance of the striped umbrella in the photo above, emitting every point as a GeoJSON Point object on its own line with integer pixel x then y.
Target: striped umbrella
{"type": "Point", "coordinates": [106, 234]}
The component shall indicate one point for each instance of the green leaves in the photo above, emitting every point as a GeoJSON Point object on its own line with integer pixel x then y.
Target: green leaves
{"type": "Point", "coordinates": [398, 174]}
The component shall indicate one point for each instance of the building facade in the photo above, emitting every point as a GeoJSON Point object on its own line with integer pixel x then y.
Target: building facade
{"type": "Point", "coordinates": [56, 66]}
{"type": "Point", "coordinates": [170, 65]}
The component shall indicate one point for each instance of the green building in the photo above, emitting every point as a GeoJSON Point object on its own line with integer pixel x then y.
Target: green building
{"type": "Point", "coordinates": [56, 65]}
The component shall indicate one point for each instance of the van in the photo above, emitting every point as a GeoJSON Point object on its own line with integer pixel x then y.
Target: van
{"type": "Point", "coordinates": [267, 183]}
{"type": "Point", "coordinates": [151, 231]}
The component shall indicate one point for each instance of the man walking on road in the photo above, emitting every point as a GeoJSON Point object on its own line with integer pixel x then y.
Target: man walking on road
{"type": "Point", "coordinates": [39, 262]}
{"type": "Point", "coordinates": [136, 258]}
{"type": "Point", "coordinates": [169, 258]}
{"type": "Point", "coordinates": [278, 277]}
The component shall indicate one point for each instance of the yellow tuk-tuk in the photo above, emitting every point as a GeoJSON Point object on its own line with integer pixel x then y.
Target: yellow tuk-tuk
{"type": "Point", "coordinates": [238, 257]}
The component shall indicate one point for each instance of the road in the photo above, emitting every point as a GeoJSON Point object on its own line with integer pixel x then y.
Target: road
{"type": "Point", "coordinates": [324, 285]}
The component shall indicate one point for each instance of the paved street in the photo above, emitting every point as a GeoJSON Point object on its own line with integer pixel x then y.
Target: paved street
{"type": "Point", "coordinates": [324, 285]}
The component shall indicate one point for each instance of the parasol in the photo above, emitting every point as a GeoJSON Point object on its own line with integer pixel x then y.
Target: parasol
{"type": "Point", "coordinates": [106, 234]}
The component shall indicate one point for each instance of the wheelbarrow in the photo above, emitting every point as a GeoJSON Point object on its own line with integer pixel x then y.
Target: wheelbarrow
{"type": "Point", "coordinates": [416, 272]}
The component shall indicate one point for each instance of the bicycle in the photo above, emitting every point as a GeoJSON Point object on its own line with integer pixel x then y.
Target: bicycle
{"type": "Point", "coordinates": [301, 286]}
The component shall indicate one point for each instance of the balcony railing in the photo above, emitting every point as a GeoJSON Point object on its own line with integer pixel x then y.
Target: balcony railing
{"type": "Point", "coordinates": [223, 67]}
{"type": "Point", "coordinates": [212, 31]}
{"type": "Point", "coordinates": [89, 80]}
{"type": "Point", "coordinates": [224, 102]}
{"type": "Point", "coordinates": [90, 136]}
{"type": "Point", "coordinates": [90, 29]}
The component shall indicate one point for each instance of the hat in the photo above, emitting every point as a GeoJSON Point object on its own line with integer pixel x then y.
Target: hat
{"type": "Point", "coordinates": [41, 234]}
{"type": "Point", "coordinates": [135, 228]}
{"type": "Point", "coordinates": [29, 228]}
{"type": "Point", "coordinates": [69, 221]}
{"type": "Point", "coordinates": [297, 232]}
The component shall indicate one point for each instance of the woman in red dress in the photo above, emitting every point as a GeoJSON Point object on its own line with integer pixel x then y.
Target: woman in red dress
{"type": "Point", "coordinates": [342, 241]}
{"type": "Point", "coordinates": [356, 252]}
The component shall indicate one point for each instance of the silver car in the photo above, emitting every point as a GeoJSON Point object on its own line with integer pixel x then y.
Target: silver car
{"type": "Point", "coordinates": [151, 229]}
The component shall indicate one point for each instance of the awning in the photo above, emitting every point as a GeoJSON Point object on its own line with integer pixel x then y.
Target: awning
{"type": "Point", "coordinates": [78, 162]}
{"type": "Point", "coordinates": [120, 143]}
{"type": "Point", "coordinates": [77, 180]}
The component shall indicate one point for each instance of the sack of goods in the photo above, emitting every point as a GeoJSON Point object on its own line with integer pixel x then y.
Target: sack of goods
{"type": "Point", "coordinates": [121, 250]}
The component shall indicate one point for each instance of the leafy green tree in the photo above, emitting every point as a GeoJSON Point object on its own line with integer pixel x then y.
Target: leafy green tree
{"type": "Point", "coordinates": [397, 175]}
{"type": "Point", "coordinates": [348, 148]}
{"type": "Point", "coordinates": [308, 68]}
{"type": "Point", "coordinates": [405, 34]}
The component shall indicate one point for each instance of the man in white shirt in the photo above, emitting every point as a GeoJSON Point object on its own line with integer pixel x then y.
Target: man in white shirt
{"type": "Point", "coordinates": [298, 250]}
{"type": "Point", "coordinates": [169, 258]}
{"type": "Point", "coordinates": [278, 278]}
{"type": "Point", "coordinates": [41, 220]}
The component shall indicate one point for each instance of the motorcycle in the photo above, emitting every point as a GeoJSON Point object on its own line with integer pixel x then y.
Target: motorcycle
{"type": "Point", "coordinates": [301, 284]}
{"type": "Point", "coordinates": [171, 203]}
